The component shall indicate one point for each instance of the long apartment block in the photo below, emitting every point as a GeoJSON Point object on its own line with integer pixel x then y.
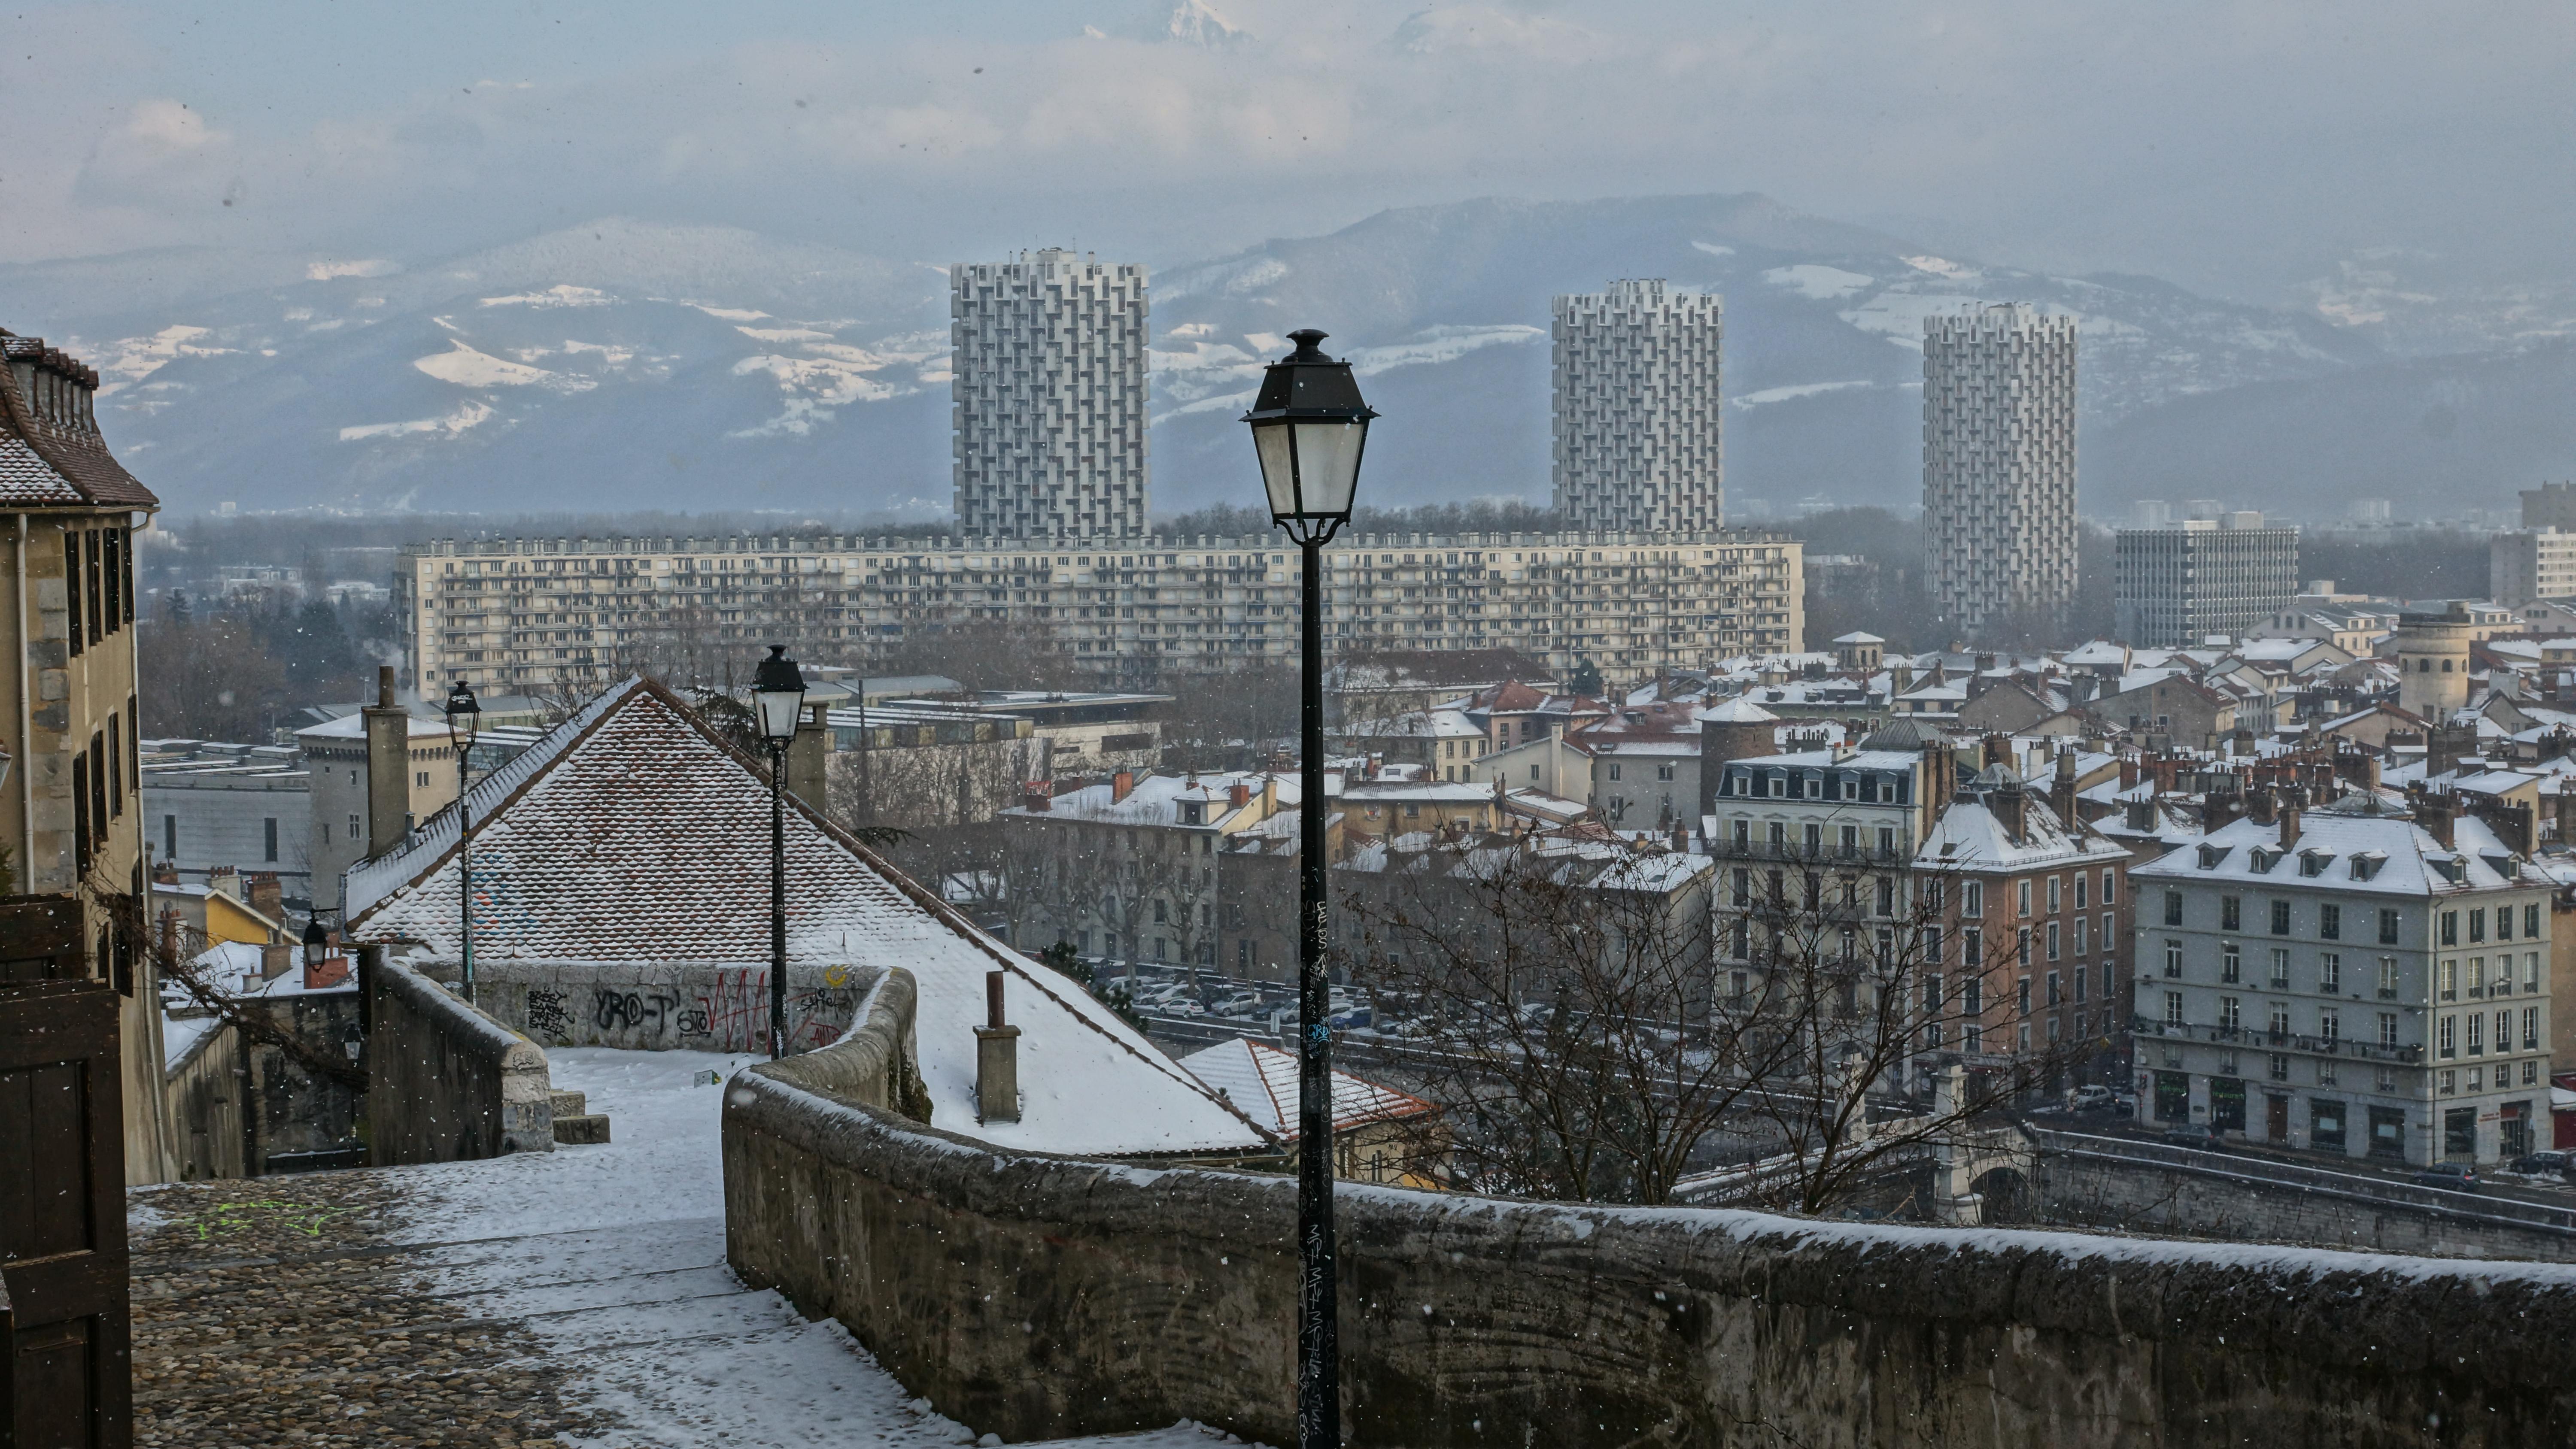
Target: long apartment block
{"type": "Point", "coordinates": [529, 614]}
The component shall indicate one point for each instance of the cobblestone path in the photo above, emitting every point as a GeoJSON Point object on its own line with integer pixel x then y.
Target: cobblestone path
{"type": "Point", "coordinates": [281, 1311]}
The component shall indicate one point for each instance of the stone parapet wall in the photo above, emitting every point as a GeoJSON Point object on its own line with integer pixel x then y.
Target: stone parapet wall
{"type": "Point", "coordinates": [445, 1081]}
{"type": "Point", "coordinates": [1034, 1297]}
{"type": "Point", "coordinates": [667, 1006]}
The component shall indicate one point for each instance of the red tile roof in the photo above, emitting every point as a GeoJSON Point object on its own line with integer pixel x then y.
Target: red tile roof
{"type": "Point", "coordinates": [47, 462]}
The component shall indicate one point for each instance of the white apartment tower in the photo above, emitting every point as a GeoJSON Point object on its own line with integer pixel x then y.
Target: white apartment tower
{"type": "Point", "coordinates": [1637, 410]}
{"type": "Point", "coordinates": [1049, 397]}
{"type": "Point", "coordinates": [1999, 463]}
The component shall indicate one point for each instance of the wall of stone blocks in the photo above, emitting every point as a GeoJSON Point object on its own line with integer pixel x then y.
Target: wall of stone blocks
{"type": "Point", "coordinates": [446, 1082]}
{"type": "Point", "coordinates": [2146, 1197]}
{"type": "Point", "coordinates": [1033, 1297]}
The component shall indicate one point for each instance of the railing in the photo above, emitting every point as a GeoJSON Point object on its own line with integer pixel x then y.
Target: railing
{"type": "Point", "coordinates": [2248, 1036]}
{"type": "Point", "coordinates": [1796, 853]}
{"type": "Point", "coordinates": [2312, 1179]}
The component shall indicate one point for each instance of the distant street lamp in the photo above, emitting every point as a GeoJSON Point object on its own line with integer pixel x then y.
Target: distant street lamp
{"type": "Point", "coordinates": [1309, 427]}
{"type": "Point", "coordinates": [464, 717]}
{"type": "Point", "coordinates": [778, 698]}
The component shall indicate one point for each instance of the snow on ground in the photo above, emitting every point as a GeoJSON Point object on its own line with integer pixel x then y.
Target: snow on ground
{"type": "Point", "coordinates": [614, 1256]}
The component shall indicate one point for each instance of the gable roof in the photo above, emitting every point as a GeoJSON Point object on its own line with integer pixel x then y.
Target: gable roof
{"type": "Point", "coordinates": [632, 834]}
{"type": "Point", "coordinates": [1261, 1079]}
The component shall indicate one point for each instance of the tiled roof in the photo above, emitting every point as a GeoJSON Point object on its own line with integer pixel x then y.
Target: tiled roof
{"type": "Point", "coordinates": [1262, 1080]}
{"type": "Point", "coordinates": [46, 463]}
{"type": "Point", "coordinates": [633, 835]}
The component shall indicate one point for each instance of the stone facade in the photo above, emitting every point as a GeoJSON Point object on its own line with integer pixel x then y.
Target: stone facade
{"type": "Point", "coordinates": [1999, 464]}
{"type": "Point", "coordinates": [1049, 397]}
{"type": "Point", "coordinates": [1637, 412]}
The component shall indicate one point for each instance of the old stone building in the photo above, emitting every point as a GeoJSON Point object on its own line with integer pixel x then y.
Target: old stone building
{"type": "Point", "coordinates": [71, 818]}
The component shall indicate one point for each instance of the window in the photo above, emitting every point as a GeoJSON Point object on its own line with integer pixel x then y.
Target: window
{"type": "Point", "coordinates": [2022, 896]}
{"type": "Point", "coordinates": [1887, 895]}
{"type": "Point", "coordinates": [1614, 769]}
{"type": "Point", "coordinates": [2280, 918]}
{"type": "Point", "coordinates": [1743, 832]}
{"type": "Point", "coordinates": [2279, 1024]}
{"type": "Point", "coordinates": [1663, 772]}
{"type": "Point", "coordinates": [2329, 923]}
{"type": "Point", "coordinates": [2056, 996]}
{"type": "Point", "coordinates": [2079, 935]}
{"type": "Point", "coordinates": [1972, 996]}
{"type": "Point", "coordinates": [2173, 1008]}
{"type": "Point", "coordinates": [2388, 926]}
{"type": "Point", "coordinates": [2280, 966]}
{"type": "Point", "coordinates": [1972, 947]}
{"type": "Point", "coordinates": [2231, 913]}
{"type": "Point", "coordinates": [2173, 958]}
{"type": "Point", "coordinates": [268, 843]}
{"type": "Point", "coordinates": [2110, 886]}
{"type": "Point", "coordinates": [2173, 907]}
{"type": "Point", "coordinates": [2330, 972]}
{"type": "Point", "coordinates": [2231, 963]}
{"type": "Point", "coordinates": [1972, 898]}
{"type": "Point", "coordinates": [2387, 1030]}
{"type": "Point", "coordinates": [2053, 902]}
{"type": "Point", "coordinates": [2448, 1040]}
{"type": "Point", "coordinates": [1742, 884]}
{"type": "Point", "coordinates": [2477, 1033]}
{"type": "Point", "coordinates": [2477, 924]}
{"type": "Point", "coordinates": [2081, 978]}
{"type": "Point", "coordinates": [1932, 992]}
{"type": "Point", "coordinates": [170, 838]}
{"type": "Point", "coordinates": [356, 827]}
{"type": "Point", "coordinates": [2450, 928]}
{"type": "Point", "coordinates": [2504, 923]}
{"type": "Point", "coordinates": [2531, 923]}
{"type": "Point", "coordinates": [2231, 1014]}
{"type": "Point", "coordinates": [2531, 971]}
{"type": "Point", "coordinates": [2080, 882]}
{"type": "Point", "coordinates": [1887, 840]}
{"type": "Point", "coordinates": [2330, 1023]}
{"type": "Point", "coordinates": [2447, 977]}
{"type": "Point", "coordinates": [2387, 977]}
{"type": "Point", "coordinates": [2052, 940]}
{"type": "Point", "coordinates": [2021, 996]}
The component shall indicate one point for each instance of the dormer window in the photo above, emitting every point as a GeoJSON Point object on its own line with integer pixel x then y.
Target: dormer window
{"type": "Point", "coordinates": [2314, 862]}
{"type": "Point", "coordinates": [2262, 859]}
{"type": "Point", "coordinates": [2211, 855]}
{"type": "Point", "coordinates": [2367, 864]}
{"type": "Point", "coordinates": [1193, 812]}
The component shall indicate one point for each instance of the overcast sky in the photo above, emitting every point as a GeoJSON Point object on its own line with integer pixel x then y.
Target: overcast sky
{"type": "Point", "coordinates": [2237, 148]}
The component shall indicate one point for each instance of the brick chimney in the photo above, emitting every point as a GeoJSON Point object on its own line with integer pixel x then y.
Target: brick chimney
{"type": "Point", "coordinates": [388, 767]}
{"type": "Point", "coordinates": [264, 895]}
{"type": "Point", "coordinates": [1037, 795]}
{"type": "Point", "coordinates": [2011, 806]}
{"type": "Point", "coordinates": [1121, 785]}
{"type": "Point", "coordinates": [1994, 750]}
{"type": "Point", "coordinates": [2128, 772]}
{"type": "Point", "coordinates": [2288, 816]}
{"type": "Point", "coordinates": [997, 1058]}
{"type": "Point", "coordinates": [1238, 795]}
{"type": "Point", "coordinates": [223, 880]}
{"type": "Point", "coordinates": [2061, 790]}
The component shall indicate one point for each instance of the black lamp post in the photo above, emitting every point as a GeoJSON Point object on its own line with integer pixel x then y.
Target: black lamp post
{"type": "Point", "coordinates": [465, 718]}
{"type": "Point", "coordinates": [1308, 428]}
{"type": "Point", "coordinates": [317, 943]}
{"type": "Point", "coordinates": [778, 698]}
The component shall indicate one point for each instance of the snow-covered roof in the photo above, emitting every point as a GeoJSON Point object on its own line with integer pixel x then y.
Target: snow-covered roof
{"type": "Point", "coordinates": [1969, 835]}
{"type": "Point", "coordinates": [354, 727]}
{"type": "Point", "coordinates": [2097, 652]}
{"type": "Point", "coordinates": [633, 835]}
{"type": "Point", "coordinates": [2405, 854]}
{"type": "Point", "coordinates": [1261, 1080]}
{"type": "Point", "coordinates": [1738, 710]}
{"type": "Point", "coordinates": [1858, 636]}
{"type": "Point", "coordinates": [1829, 760]}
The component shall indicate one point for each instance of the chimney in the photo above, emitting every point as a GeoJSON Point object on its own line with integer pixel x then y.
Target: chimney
{"type": "Point", "coordinates": [276, 961]}
{"type": "Point", "coordinates": [2433, 812]}
{"type": "Point", "coordinates": [807, 751]}
{"type": "Point", "coordinates": [2061, 795]}
{"type": "Point", "coordinates": [1995, 750]}
{"type": "Point", "coordinates": [388, 767]}
{"type": "Point", "coordinates": [264, 894]}
{"type": "Point", "coordinates": [2566, 815]}
{"type": "Point", "coordinates": [328, 972]}
{"type": "Point", "coordinates": [2128, 772]}
{"type": "Point", "coordinates": [2011, 806]}
{"type": "Point", "coordinates": [223, 880]}
{"type": "Point", "coordinates": [1121, 785]}
{"type": "Point", "coordinates": [997, 1058]}
{"type": "Point", "coordinates": [1238, 795]}
{"type": "Point", "coordinates": [1940, 777]}
{"type": "Point", "coordinates": [2288, 815]}
{"type": "Point", "coordinates": [1037, 795]}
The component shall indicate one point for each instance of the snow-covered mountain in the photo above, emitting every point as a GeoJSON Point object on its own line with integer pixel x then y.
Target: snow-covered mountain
{"type": "Point", "coordinates": [626, 364]}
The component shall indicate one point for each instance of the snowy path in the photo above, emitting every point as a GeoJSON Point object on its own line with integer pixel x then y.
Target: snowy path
{"type": "Point", "coordinates": [613, 1257]}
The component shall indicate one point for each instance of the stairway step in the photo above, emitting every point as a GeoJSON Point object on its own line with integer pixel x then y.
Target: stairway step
{"type": "Point", "coordinates": [582, 1130]}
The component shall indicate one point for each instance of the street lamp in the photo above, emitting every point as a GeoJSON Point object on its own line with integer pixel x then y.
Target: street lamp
{"type": "Point", "coordinates": [464, 717]}
{"type": "Point", "coordinates": [317, 943]}
{"type": "Point", "coordinates": [1308, 428]}
{"type": "Point", "coordinates": [778, 699]}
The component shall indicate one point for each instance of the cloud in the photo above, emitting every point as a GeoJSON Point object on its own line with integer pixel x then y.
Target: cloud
{"type": "Point", "coordinates": [165, 151]}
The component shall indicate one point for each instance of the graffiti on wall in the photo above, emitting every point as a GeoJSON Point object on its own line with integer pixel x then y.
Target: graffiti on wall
{"type": "Point", "coordinates": [725, 1009]}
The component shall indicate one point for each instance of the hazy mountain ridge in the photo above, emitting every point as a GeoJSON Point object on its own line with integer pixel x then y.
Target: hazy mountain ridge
{"type": "Point", "coordinates": [627, 363]}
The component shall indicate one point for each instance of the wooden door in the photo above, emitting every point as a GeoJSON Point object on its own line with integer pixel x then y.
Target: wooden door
{"type": "Point", "coordinates": [67, 1378]}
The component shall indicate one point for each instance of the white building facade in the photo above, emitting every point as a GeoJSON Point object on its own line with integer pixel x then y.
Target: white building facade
{"type": "Point", "coordinates": [1999, 531]}
{"type": "Point", "coordinates": [1048, 393]}
{"type": "Point", "coordinates": [1637, 409]}
{"type": "Point", "coordinates": [2531, 564]}
{"type": "Point", "coordinates": [2177, 585]}
{"type": "Point", "coordinates": [2346, 984]}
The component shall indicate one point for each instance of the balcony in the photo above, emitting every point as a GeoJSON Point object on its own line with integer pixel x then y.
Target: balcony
{"type": "Point", "coordinates": [2256, 1038]}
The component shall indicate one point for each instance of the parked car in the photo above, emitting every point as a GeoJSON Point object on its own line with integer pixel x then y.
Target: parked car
{"type": "Point", "coordinates": [2457, 1176]}
{"type": "Point", "coordinates": [2195, 1136]}
{"type": "Point", "coordinates": [2548, 1162]}
{"type": "Point", "coordinates": [1241, 1003]}
{"type": "Point", "coordinates": [2091, 1099]}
